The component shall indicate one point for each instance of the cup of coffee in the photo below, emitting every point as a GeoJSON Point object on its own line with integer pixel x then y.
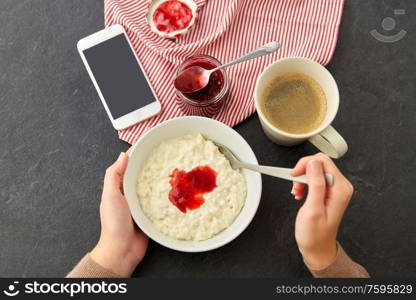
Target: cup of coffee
{"type": "Point", "coordinates": [296, 100]}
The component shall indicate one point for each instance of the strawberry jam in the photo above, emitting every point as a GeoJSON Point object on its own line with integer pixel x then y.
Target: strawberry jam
{"type": "Point", "coordinates": [191, 80]}
{"type": "Point", "coordinates": [188, 188]}
{"type": "Point", "coordinates": [207, 101]}
{"type": "Point", "coordinates": [171, 16]}
{"type": "Point", "coordinates": [215, 83]}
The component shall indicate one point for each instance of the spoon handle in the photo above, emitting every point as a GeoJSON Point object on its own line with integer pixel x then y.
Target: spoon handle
{"type": "Point", "coordinates": [284, 173]}
{"type": "Point", "coordinates": [263, 50]}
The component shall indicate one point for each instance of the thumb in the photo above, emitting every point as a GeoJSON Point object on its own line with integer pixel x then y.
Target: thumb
{"type": "Point", "coordinates": [121, 164]}
{"type": "Point", "coordinates": [114, 174]}
{"type": "Point", "coordinates": [316, 184]}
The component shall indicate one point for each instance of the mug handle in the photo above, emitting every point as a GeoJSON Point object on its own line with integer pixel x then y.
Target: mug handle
{"type": "Point", "coordinates": [330, 142]}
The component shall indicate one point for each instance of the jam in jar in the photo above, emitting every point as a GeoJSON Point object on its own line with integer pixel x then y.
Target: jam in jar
{"type": "Point", "coordinates": [208, 100]}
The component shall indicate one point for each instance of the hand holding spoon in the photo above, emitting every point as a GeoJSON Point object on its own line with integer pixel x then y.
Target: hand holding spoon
{"type": "Point", "coordinates": [195, 78]}
{"type": "Point", "coordinates": [283, 173]}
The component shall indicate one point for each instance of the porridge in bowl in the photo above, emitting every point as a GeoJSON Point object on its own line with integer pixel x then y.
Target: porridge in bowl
{"type": "Point", "coordinates": [188, 189]}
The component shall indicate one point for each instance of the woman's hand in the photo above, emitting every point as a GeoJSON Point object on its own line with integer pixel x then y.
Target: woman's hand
{"type": "Point", "coordinates": [319, 217]}
{"type": "Point", "coordinates": [122, 244]}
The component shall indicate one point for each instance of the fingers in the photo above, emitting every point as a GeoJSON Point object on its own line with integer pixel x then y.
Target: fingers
{"type": "Point", "coordinates": [114, 174]}
{"type": "Point", "coordinates": [300, 167]}
{"type": "Point", "coordinates": [316, 184]}
{"type": "Point", "coordinates": [329, 165]}
{"type": "Point", "coordinates": [298, 190]}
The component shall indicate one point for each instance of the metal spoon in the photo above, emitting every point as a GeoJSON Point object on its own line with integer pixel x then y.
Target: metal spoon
{"type": "Point", "coordinates": [196, 78]}
{"type": "Point", "coordinates": [283, 173]}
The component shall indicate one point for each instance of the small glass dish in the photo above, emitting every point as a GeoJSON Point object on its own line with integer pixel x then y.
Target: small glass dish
{"type": "Point", "coordinates": [208, 101]}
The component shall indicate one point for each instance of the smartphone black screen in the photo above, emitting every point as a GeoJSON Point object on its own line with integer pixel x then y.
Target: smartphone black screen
{"type": "Point", "coordinates": [119, 76]}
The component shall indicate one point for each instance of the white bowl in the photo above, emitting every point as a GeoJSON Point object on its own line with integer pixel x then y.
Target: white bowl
{"type": "Point", "coordinates": [154, 4]}
{"type": "Point", "coordinates": [215, 131]}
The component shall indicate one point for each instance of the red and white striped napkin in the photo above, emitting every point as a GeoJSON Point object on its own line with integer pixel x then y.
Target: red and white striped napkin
{"type": "Point", "coordinates": [227, 29]}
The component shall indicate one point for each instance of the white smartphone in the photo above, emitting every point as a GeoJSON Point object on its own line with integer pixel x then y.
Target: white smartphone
{"type": "Point", "coordinates": [118, 76]}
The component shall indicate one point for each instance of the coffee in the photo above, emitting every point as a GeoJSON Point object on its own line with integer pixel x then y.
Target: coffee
{"type": "Point", "coordinates": [294, 103]}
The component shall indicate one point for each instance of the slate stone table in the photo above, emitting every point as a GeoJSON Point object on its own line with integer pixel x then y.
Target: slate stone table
{"type": "Point", "coordinates": [56, 142]}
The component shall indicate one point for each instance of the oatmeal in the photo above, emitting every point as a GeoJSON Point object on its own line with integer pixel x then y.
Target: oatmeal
{"type": "Point", "coordinates": [207, 205]}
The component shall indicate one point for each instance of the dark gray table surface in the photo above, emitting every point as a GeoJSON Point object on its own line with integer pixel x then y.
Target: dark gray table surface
{"type": "Point", "coordinates": [56, 142]}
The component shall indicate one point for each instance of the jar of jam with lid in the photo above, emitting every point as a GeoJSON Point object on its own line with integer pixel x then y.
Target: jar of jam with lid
{"type": "Point", "coordinates": [207, 101]}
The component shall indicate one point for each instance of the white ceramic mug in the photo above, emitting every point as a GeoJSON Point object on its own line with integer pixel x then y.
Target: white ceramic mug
{"type": "Point", "coordinates": [325, 137]}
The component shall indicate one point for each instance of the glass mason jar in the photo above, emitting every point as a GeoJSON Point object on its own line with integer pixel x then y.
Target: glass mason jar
{"type": "Point", "coordinates": [208, 101]}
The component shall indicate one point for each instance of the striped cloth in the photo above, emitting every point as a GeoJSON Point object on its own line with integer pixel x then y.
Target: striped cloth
{"type": "Point", "coordinates": [227, 29]}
